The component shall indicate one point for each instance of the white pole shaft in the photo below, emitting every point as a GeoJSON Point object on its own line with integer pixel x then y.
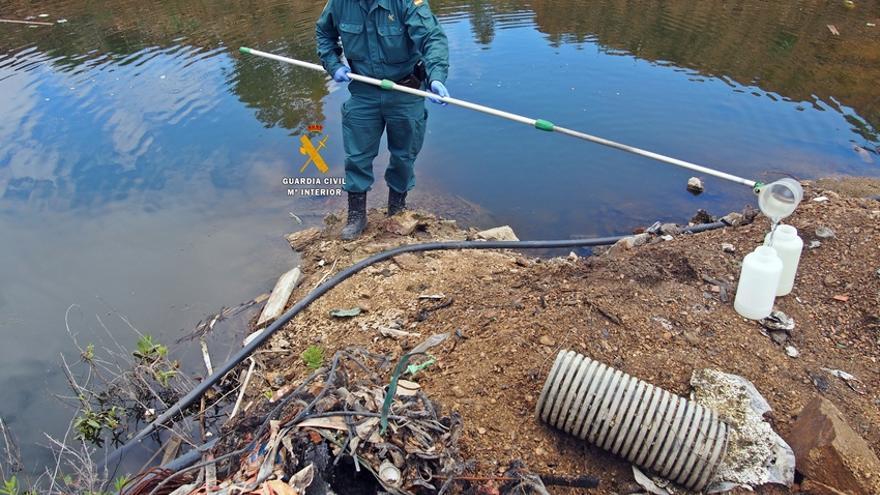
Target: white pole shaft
{"type": "Point", "coordinates": [540, 124]}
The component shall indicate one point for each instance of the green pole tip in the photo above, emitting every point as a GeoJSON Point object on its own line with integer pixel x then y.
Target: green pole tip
{"type": "Point", "coordinates": [544, 125]}
{"type": "Point", "coordinates": [758, 186]}
{"type": "Point", "coordinates": [245, 49]}
{"type": "Point", "coordinates": [386, 84]}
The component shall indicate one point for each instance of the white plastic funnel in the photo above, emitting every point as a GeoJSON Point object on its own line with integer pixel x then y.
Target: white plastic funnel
{"type": "Point", "coordinates": [779, 199]}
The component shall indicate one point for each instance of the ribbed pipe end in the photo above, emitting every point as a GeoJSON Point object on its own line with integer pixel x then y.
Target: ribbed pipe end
{"type": "Point", "coordinates": [675, 438]}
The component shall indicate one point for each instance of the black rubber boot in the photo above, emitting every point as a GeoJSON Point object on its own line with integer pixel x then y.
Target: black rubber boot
{"type": "Point", "coordinates": [357, 216]}
{"type": "Point", "coordinates": [396, 202]}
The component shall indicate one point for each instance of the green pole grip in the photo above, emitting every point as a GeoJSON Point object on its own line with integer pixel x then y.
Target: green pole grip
{"type": "Point", "coordinates": [544, 125]}
{"type": "Point", "coordinates": [245, 49]}
{"type": "Point", "coordinates": [386, 84]}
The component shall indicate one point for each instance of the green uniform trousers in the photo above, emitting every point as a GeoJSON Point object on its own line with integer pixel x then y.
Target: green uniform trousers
{"type": "Point", "coordinates": [365, 115]}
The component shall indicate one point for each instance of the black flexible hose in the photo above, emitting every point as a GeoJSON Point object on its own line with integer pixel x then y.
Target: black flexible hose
{"type": "Point", "coordinates": [194, 395]}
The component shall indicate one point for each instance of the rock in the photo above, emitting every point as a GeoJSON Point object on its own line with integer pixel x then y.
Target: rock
{"type": "Point", "coordinates": [792, 351]}
{"type": "Point", "coordinates": [404, 223]}
{"type": "Point", "coordinates": [702, 216]}
{"type": "Point", "coordinates": [670, 229]}
{"type": "Point", "coordinates": [408, 261]}
{"type": "Point", "coordinates": [749, 214]}
{"type": "Point", "coordinates": [481, 430]}
{"type": "Point", "coordinates": [824, 232]}
{"type": "Point", "coordinates": [654, 228]}
{"type": "Point", "coordinates": [630, 242]}
{"type": "Point", "coordinates": [457, 391]}
{"type": "Point", "coordinates": [300, 240]}
{"type": "Point", "coordinates": [811, 487]}
{"type": "Point", "coordinates": [829, 280]}
{"type": "Point", "coordinates": [728, 248]}
{"type": "Point", "coordinates": [669, 238]}
{"type": "Point", "coordinates": [779, 336]}
{"type": "Point", "coordinates": [830, 453]}
{"type": "Point", "coordinates": [695, 185]}
{"type": "Point", "coordinates": [503, 233]}
{"type": "Point", "coordinates": [733, 219]}
{"type": "Point", "coordinates": [814, 244]}
{"type": "Point", "coordinates": [640, 239]}
{"type": "Point", "coordinates": [691, 337]}
{"type": "Point", "coordinates": [547, 341]}
{"type": "Point", "coordinates": [540, 452]}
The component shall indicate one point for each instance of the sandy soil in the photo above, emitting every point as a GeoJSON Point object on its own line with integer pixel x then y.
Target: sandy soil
{"type": "Point", "coordinates": [515, 312]}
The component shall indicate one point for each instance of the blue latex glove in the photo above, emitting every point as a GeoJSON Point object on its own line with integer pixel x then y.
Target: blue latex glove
{"type": "Point", "coordinates": [341, 75]}
{"type": "Point", "coordinates": [439, 89]}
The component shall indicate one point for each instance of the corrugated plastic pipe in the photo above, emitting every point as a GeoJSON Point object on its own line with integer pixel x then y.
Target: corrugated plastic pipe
{"type": "Point", "coordinates": [675, 438]}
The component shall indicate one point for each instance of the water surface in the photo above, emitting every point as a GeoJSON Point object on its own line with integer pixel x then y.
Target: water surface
{"type": "Point", "coordinates": [141, 156]}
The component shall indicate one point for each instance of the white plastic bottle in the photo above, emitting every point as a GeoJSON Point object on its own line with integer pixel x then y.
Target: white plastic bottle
{"type": "Point", "coordinates": [788, 246]}
{"type": "Point", "coordinates": [758, 282]}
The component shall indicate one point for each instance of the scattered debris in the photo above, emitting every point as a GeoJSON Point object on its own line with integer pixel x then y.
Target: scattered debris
{"type": "Point", "coordinates": [756, 455]}
{"type": "Point", "coordinates": [346, 313]}
{"type": "Point", "coordinates": [833, 29]}
{"type": "Point", "coordinates": [841, 297]}
{"type": "Point", "coordinates": [791, 351]}
{"type": "Point", "coordinates": [652, 485]}
{"type": "Point", "coordinates": [546, 340]}
{"type": "Point", "coordinates": [302, 239]}
{"type": "Point", "coordinates": [820, 199]}
{"type": "Point", "coordinates": [695, 185]}
{"type": "Point", "coordinates": [395, 333]}
{"type": "Point", "coordinates": [728, 248]}
{"type": "Point", "coordinates": [295, 217]}
{"type": "Point", "coordinates": [431, 296]}
{"type": "Point", "coordinates": [814, 244]}
{"type": "Point", "coordinates": [31, 23]}
{"type": "Point", "coordinates": [334, 415]}
{"type": "Point", "coordinates": [852, 382]}
{"type": "Point", "coordinates": [824, 232]}
{"type": "Point", "coordinates": [778, 321]}
{"type": "Point", "coordinates": [502, 233]}
{"type": "Point", "coordinates": [830, 453]}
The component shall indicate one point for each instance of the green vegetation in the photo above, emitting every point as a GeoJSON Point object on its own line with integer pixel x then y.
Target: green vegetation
{"type": "Point", "coordinates": [90, 424]}
{"type": "Point", "coordinates": [149, 350]}
{"type": "Point", "coordinates": [313, 357]}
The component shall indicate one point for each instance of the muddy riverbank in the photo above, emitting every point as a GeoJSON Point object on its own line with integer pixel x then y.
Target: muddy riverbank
{"type": "Point", "coordinates": [658, 311]}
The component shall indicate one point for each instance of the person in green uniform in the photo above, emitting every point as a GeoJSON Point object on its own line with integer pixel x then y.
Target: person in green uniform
{"type": "Point", "coordinates": [398, 40]}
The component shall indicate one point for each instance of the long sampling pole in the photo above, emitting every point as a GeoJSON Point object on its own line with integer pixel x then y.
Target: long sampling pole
{"type": "Point", "coordinates": [541, 124]}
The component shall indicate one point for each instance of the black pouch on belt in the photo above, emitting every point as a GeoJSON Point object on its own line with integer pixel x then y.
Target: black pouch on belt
{"type": "Point", "coordinates": [415, 80]}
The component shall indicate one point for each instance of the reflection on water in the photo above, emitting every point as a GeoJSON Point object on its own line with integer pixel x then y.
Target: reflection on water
{"type": "Point", "coordinates": [141, 157]}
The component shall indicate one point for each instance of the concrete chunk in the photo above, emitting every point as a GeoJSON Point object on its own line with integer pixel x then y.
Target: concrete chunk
{"type": "Point", "coordinates": [503, 233]}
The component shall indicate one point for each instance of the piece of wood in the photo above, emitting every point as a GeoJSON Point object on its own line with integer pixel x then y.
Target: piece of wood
{"type": "Point", "coordinates": [35, 23]}
{"type": "Point", "coordinates": [280, 294]}
{"type": "Point", "coordinates": [171, 450]}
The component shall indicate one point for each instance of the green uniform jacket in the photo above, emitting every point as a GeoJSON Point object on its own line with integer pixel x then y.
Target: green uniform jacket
{"type": "Point", "coordinates": [384, 40]}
